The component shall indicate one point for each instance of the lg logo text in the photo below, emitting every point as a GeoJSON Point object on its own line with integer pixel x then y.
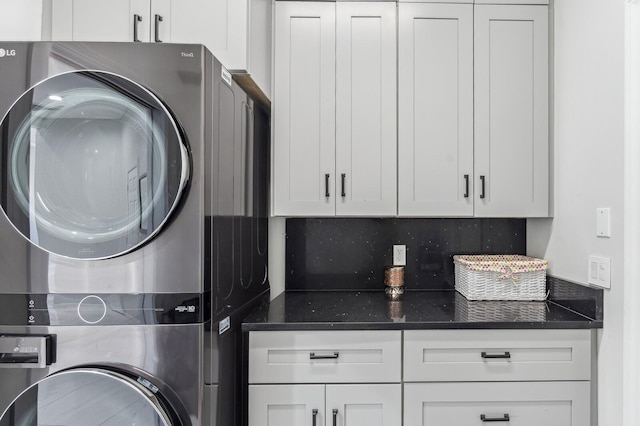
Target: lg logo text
{"type": "Point", "coordinates": [4, 52]}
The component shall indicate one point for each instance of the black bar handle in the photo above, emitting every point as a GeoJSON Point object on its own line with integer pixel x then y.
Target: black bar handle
{"type": "Point", "coordinates": [466, 186]}
{"type": "Point", "coordinates": [335, 417]}
{"type": "Point", "coordinates": [482, 183]}
{"type": "Point", "coordinates": [504, 418]}
{"type": "Point", "coordinates": [505, 355]}
{"type": "Point", "coordinates": [312, 355]}
{"type": "Point", "coordinates": [314, 415]}
{"type": "Point", "coordinates": [326, 185]}
{"type": "Point", "coordinates": [157, 28]}
{"type": "Point", "coordinates": [344, 176]}
{"type": "Point", "coordinates": [136, 19]}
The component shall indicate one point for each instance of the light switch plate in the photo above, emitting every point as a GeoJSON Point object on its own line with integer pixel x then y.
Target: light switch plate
{"type": "Point", "coordinates": [599, 271]}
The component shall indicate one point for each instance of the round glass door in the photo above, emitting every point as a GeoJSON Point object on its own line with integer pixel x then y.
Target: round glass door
{"type": "Point", "coordinates": [93, 164]}
{"type": "Point", "coordinates": [86, 397]}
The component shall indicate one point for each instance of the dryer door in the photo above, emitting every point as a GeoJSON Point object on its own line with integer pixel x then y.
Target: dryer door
{"type": "Point", "coordinates": [85, 397]}
{"type": "Point", "coordinates": [93, 164]}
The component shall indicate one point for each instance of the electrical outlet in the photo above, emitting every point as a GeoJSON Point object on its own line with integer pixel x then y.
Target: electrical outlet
{"type": "Point", "coordinates": [399, 255]}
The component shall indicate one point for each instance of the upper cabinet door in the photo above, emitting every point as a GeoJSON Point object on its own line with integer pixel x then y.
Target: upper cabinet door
{"type": "Point", "coordinates": [208, 22]}
{"type": "Point", "coordinates": [21, 20]}
{"type": "Point", "coordinates": [435, 109]}
{"type": "Point", "coordinates": [511, 111]}
{"type": "Point", "coordinates": [117, 20]}
{"type": "Point", "coordinates": [365, 108]}
{"type": "Point", "coordinates": [304, 109]}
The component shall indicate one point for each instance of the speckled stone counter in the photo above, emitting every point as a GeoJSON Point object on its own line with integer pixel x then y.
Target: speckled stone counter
{"type": "Point", "coordinates": [426, 309]}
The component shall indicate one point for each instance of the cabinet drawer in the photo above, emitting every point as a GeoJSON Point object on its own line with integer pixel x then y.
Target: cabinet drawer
{"type": "Point", "coordinates": [324, 356]}
{"type": "Point", "coordinates": [496, 355]}
{"type": "Point", "coordinates": [521, 403]}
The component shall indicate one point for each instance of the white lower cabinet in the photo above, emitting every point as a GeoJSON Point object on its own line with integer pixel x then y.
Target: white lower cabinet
{"type": "Point", "coordinates": [325, 378]}
{"type": "Point", "coordinates": [511, 403]}
{"type": "Point", "coordinates": [325, 405]}
{"type": "Point", "coordinates": [511, 377]}
{"type": "Point", "coordinates": [420, 378]}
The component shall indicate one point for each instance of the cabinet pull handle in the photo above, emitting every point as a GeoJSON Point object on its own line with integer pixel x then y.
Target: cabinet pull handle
{"type": "Point", "coordinates": [312, 355]}
{"type": "Point", "coordinates": [326, 185]}
{"type": "Point", "coordinates": [136, 19]}
{"type": "Point", "coordinates": [466, 186]}
{"type": "Point", "coordinates": [314, 415]}
{"type": "Point", "coordinates": [157, 28]}
{"type": "Point", "coordinates": [482, 186]}
{"type": "Point", "coordinates": [504, 418]}
{"type": "Point", "coordinates": [335, 417]}
{"type": "Point", "coordinates": [343, 177]}
{"type": "Point", "coordinates": [505, 355]}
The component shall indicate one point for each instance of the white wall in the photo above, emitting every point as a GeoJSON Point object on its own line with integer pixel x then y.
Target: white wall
{"type": "Point", "coordinates": [20, 20]}
{"type": "Point", "coordinates": [588, 156]}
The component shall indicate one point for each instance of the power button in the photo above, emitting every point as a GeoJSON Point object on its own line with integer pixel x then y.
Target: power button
{"type": "Point", "coordinates": [92, 309]}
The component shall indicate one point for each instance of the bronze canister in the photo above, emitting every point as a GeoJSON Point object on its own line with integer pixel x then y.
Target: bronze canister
{"type": "Point", "coordinates": [394, 282]}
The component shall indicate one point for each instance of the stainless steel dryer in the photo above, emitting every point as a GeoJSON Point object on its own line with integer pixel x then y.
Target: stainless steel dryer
{"type": "Point", "coordinates": [133, 186]}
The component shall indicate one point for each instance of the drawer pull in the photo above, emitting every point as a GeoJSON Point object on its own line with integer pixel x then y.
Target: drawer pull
{"type": "Point", "coordinates": [335, 417]}
{"type": "Point", "coordinates": [505, 355]}
{"type": "Point", "coordinates": [313, 355]}
{"type": "Point", "coordinates": [504, 418]}
{"type": "Point", "coordinates": [314, 413]}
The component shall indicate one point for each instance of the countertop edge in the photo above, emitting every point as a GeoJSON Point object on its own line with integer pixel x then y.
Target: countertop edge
{"type": "Point", "coordinates": [573, 325]}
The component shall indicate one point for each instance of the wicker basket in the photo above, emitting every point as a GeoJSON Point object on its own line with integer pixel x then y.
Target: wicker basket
{"type": "Point", "coordinates": [500, 277]}
{"type": "Point", "coordinates": [499, 310]}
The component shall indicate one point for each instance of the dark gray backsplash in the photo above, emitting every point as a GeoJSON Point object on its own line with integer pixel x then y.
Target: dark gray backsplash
{"type": "Point", "coordinates": [348, 253]}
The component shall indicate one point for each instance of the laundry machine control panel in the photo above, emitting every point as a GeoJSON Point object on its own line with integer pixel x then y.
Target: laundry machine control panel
{"type": "Point", "coordinates": [103, 309]}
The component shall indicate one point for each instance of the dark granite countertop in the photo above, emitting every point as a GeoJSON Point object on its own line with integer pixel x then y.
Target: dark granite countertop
{"type": "Point", "coordinates": [420, 309]}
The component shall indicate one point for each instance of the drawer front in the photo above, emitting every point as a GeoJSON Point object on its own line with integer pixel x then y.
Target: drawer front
{"type": "Point", "coordinates": [511, 403]}
{"type": "Point", "coordinates": [325, 356]}
{"type": "Point", "coordinates": [496, 355]}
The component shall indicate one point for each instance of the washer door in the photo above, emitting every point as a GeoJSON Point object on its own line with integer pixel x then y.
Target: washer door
{"type": "Point", "coordinates": [93, 164]}
{"type": "Point", "coordinates": [86, 397]}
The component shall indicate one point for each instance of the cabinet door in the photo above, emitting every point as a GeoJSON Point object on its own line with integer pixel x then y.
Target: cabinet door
{"type": "Point", "coordinates": [511, 111]}
{"type": "Point", "coordinates": [21, 20]}
{"type": "Point", "coordinates": [435, 110]}
{"type": "Point", "coordinates": [517, 403]}
{"type": "Point", "coordinates": [299, 405]}
{"type": "Point", "coordinates": [304, 109]}
{"type": "Point", "coordinates": [371, 405]}
{"type": "Point", "coordinates": [117, 20]}
{"type": "Point", "coordinates": [221, 25]}
{"type": "Point", "coordinates": [365, 108]}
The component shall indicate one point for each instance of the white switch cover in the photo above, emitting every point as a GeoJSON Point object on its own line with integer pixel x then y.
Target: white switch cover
{"type": "Point", "coordinates": [399, 255]}
{"type": "Point", "coordinates": [599, 272]}
{"type": "Point", "coordinates": [603, 222]}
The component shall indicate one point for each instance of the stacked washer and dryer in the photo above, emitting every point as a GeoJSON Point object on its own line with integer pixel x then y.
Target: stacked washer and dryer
{"type": "Point", "coordinates": [133, 238]}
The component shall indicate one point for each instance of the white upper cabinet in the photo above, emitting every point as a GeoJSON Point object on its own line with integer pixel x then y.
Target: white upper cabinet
{"type": "Point", "coordinates": [511, 111]}
{"type": "Point", "coordinates": [335, 109]}
{"type": "Point", "coordinates": [304, 109]}
{"type": "Point", "coordinates": [366, 108]}
{"type": "Point", "coordinates": [238, 32]}
{"type": "Point", "coordinates": [435, 109]}
{"type": "Point", "coordinates": [21, 20]}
